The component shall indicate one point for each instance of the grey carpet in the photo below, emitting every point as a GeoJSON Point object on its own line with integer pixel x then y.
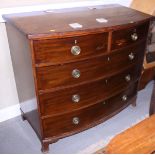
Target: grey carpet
{"type": "Point", "coordinates": [16, 136]}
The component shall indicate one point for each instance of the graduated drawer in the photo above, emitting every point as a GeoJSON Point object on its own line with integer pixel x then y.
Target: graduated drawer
{"type": "Point", "coordinates": [80, 72]}
{"type": "Point", "coordinates": [124, 37]}
{"type": "Point", "coordinates": [59, 51]}
{"type": "Point", "coordinates": [87, 117]}
{"type": "Point", "coordinates": [67, 100]}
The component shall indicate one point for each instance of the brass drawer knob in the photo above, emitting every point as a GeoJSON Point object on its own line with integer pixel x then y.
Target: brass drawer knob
{"type": "Point", "coordinates": [134, 36]}
{"type": "Point", "coordinates": [104, 103]}
{"type": "Point", "coordinates": [76, 73]}
{"type": "Point", "coordinates": [128, 78]}
{"type": "Point", "coordinates": [76, 98]}
{"type": "Point", "coordinates": [131, 56]}
{"type": "Point", "coordinates": [76, 120]}
{"type": "Point", "coordinates": [124, 98]}
{"type": "Point", "coordinates": [75, 50]}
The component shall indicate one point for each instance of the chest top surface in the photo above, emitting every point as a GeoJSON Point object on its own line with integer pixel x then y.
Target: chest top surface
{"type": "Point", "coordinates": [90, 19]}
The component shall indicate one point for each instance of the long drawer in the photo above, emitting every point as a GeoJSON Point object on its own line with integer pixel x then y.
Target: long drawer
{"type": "Point", "coordinates": [83, 119]}
{"type": "Point", "coordinates": [58, 51]}
{"type": "Point", "coordinates": [71, 99]}
{"type": "Point", "coordinates": [74, 73]}
{"type": "Point", "coordinates": [124, 37]}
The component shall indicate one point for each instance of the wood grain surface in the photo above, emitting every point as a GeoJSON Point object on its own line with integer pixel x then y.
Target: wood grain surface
{"type": "Point", "coordinates": [123, 38]}
{"type": "Point", "coordinates": [90, 93]}
{"type": "Point", "coordinates": [63, 124]}
{"type": "Point", "coordinates": [58, 51]}
{"type": "Point", "coordinates": [56, 23]}
{"type": "Point", "coordinates": [52, 77]}
{"type": "Point", "coordinates": [139, 139]}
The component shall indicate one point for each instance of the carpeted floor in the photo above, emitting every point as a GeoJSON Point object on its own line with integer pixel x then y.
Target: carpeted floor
{"type": "Point", "coordinates": [16, 136]}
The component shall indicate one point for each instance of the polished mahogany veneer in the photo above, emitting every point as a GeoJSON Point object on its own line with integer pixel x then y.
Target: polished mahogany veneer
{"type": "Point", "coordinates": [89, 93]}
{"type": "Point", "coordinates": [80, 76]}
{"type": "Point", "coordinates": [86, 117]}
{"type": "Point", "coordinates": [128, 36]}
{"type": "Point", "coordinates": [57, 51]}
{"type": "Point", "coordinates": [52, 77]}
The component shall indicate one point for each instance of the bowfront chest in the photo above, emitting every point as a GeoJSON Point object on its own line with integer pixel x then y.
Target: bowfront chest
{"type": "Point", "coordinates": [75, 68]}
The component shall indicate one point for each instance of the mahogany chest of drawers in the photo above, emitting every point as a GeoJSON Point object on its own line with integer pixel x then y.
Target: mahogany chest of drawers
{"type": "Point", "coordinates": [82, 65]}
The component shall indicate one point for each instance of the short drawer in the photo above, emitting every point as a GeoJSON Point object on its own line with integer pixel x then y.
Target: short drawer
{"type": "Point", "coordinates": [70, 99]}
{"type": "Point", "coordinates": [52, 77]}
{"type": "Point", "coordinates": [59, 51]}
{"type": "Point", "coordinates": [124, 37]}
{"type": "Point", "coordinates": [87, 117]}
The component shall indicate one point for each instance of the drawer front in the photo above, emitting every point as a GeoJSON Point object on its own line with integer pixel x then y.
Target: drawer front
{"type": "Point", "coordinates": [85, 118]}
{"type": "Point", "coordinates": [79, 72]}
{"type": "Point", "coordinates": [67, 100]}
{"type": "Point", "coordinates": [58, 51]}
{"type": "Point", "coordinates": [122, 38]}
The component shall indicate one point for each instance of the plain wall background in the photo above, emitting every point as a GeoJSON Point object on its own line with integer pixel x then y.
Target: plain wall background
{"type": "Point", "coordinates": [8, 93]}
{"type": "Point", "coordinates": [14, 3]}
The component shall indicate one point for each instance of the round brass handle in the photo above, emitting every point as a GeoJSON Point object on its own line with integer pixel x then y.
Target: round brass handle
{"type": "Point", "coordinates": [124, 98]}
{"type": "Point", "coordinates": [134, 36]}
{"type": "Point", "coordinates": [128, 78]}
{"type": "Point", "coordinates": [131, 56]}
{"type": "Point", "coordinates": [76, 73]}
{"type": "Point", "coordinates": [76, 98]}
{"type": "Point", "coordinates": [104, 103]}
{"type": "Point", "coordinates": [75, 50]}
{"type": "Point", "coordinates": [76, 120]}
